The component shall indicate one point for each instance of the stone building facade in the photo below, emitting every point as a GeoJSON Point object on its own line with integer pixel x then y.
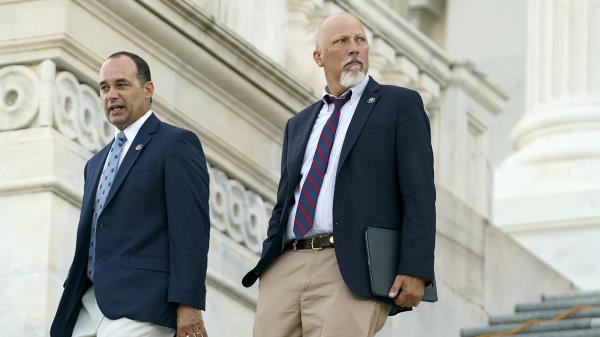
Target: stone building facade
{"type": "Point", "coordinates": [234, 71]}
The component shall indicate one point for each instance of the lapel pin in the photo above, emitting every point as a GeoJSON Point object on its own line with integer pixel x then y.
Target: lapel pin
{"type": "Point", "coordinates": [371, 100]}
{"type": "Point", "coordinates": [139, 147]}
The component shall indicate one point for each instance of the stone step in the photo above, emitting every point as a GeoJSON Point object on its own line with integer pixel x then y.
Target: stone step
{"type": "Point", "coordinates": [577, 295]}
{"type": "Point", "coordinates": [583, 323]}
{"type": "Point", "coordinates": [572, 333]}
{"type": "Point", "coordinates": [558, 304]}
{"type": "Point", "coordinates": [566, 324]}
{"type": "Point", "coordinates": [542, 314]}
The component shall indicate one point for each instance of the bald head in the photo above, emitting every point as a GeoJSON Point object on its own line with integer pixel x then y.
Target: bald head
{"type": "Point", "coordinates": [331, 23]}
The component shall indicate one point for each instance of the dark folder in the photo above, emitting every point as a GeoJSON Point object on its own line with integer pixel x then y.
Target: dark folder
{"type": "Point", "coordinates": [383, 255]}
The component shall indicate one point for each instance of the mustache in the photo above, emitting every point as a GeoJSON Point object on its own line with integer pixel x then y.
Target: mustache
{"type": "Point", "coordinates": [115, 104]}
{"type": "Point", "coordinates": [351, 59]}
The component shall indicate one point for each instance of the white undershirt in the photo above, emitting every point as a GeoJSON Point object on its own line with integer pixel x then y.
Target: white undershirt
{"type": "Point", "coordinates": [130, 132]}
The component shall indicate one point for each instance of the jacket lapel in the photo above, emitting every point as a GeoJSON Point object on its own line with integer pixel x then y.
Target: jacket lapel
{"type": "Point", "coordinates": [365, 106]}
{"type": "Point", "coordinates": [143, 137]}
{"type": "Point", "coordinates": [299, 141]}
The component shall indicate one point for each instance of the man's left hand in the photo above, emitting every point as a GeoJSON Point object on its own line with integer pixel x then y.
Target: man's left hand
{"type": "Point", "coordinates": [407, 291]}
{"type": "Point", "coordinates": [190, 322]}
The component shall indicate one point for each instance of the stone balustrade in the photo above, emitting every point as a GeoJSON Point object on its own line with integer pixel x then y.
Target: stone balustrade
{"type": "Point", "coordinates": [238, 212]}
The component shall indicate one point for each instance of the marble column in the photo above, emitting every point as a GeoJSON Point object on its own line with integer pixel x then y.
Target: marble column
{"type": "Point", "coordinates": [563, 92]}
{"type": "Point", "coordinates": [548, 192]}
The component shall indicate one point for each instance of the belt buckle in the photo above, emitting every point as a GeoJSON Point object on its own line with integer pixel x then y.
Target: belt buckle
{"type": "Point", "coordinates": [312, 244]}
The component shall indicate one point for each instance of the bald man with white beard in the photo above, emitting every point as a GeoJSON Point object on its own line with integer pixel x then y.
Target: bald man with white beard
{"type": "Point", "coordinates": [360, 157]}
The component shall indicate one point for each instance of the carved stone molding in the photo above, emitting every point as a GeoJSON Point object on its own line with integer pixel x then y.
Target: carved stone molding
{"type": "Point", "coordinates": [39, 96]}
{"type": "Point", "coordinates": [19, 97]}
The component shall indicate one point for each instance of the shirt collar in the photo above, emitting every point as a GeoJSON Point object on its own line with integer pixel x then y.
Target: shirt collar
{"type": "Point", "coordinates": [357, 90]}
{"type": "Point", "coordinates": [132, 130]}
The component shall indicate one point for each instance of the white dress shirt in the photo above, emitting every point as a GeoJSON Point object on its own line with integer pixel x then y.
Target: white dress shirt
{"type": "Point", "coordinates": [323, 221]}
{"type": "Point", "coordinates": [130, 132]}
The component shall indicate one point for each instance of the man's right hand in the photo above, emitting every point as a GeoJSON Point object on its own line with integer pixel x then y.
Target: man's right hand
{"type": "Point", "coordinates": [407, 291]}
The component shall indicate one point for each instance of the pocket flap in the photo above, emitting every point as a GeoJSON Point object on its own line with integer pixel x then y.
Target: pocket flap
{"type": "Point", "coordinates": [149, 263]}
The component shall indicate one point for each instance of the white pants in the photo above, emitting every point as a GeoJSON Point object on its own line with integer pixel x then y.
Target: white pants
{"type": "Point", "coordinates": [92, 323]}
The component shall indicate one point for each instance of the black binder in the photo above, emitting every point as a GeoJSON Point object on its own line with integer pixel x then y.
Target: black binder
{"type": "Point", "coordinates": [383, 255]}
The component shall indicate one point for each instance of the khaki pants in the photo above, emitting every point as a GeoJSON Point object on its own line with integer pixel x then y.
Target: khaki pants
{"type": "Point", "coordinates": [303, 295]}
{"type": "Point", "coordinates": [92, 323]}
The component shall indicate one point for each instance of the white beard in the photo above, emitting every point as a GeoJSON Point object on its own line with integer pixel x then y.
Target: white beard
{"type": "Point", "coordinates": [351, 78]}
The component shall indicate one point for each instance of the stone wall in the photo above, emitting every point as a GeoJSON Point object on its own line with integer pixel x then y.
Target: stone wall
{"type": "Point", "coordinates": [234, 88]}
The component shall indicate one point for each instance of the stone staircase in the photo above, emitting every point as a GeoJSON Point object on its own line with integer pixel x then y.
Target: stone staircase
{"type": "Point", "coordinates": [577, 321]}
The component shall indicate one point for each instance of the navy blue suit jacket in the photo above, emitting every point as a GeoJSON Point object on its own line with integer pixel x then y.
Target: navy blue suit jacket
{"type": "Point", "coordinates": [152, 236]}
{"type": "Point", "coordinates": [385, 179]}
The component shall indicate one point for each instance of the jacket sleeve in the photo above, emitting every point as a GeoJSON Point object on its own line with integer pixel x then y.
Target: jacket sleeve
{"type": "Point", "coordinates": [414, 160]}
{"type": "Point", "coordinates": [187, 195]}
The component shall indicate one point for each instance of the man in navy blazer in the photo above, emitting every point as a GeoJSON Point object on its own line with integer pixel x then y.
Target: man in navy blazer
{"type": "Point", "coordinates": [359, 157]}
{"type": "Point", "coordinates": [142, 241]}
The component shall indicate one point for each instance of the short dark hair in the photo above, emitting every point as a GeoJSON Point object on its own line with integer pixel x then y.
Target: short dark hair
{"type": "Point", "coordinates": [143, 70]}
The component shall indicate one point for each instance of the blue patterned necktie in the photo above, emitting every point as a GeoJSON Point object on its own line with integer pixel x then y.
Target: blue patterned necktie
{"type": "Point", "coordinates": [106, 180]}
{"type": "Point", "coordinates": [309, 194]}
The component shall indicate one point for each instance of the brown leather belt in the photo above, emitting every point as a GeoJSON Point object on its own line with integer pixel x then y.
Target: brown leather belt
{"type": "Point", "coordinates": [317, 242]}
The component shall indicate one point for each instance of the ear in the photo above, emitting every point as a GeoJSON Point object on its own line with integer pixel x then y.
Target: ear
{"type": "Point", "coordinates": [317, 57]}
{"type": "Point", "coordinates": [148, 90]}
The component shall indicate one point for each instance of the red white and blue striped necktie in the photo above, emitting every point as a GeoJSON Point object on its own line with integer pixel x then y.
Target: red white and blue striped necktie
{"type": "Point", "coordinates": [309, 194]}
